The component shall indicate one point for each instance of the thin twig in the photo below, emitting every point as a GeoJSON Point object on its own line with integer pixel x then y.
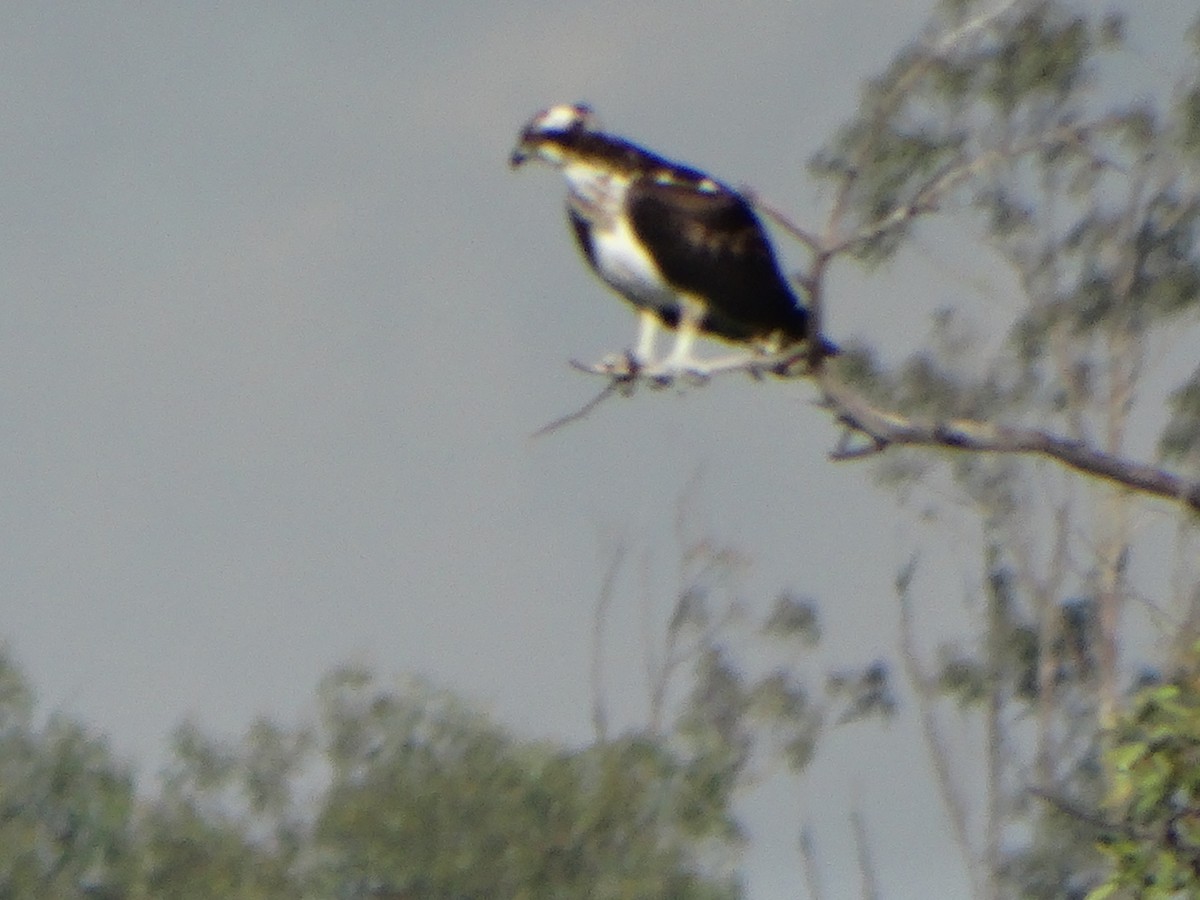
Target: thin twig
{"type": "Point", "coordinates": [599, 620]}
{"type": "Point", "coordinates": [781, 219]}
{"type": "Point", "coordinates": [1079, 814]}
{"type": "Point", "coordinates": [582, 413]}
{"type": "Point", "coordinates": [939, 757]}
{"type": "Point", "coordinates": [808, 862]}
{"type": "Point", "coordinates": [866, 865]}
{"type": "Point", "coordinates": [946, 42]}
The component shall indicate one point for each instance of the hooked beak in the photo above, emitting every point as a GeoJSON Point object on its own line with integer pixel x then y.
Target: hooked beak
{"type": "Point", "coordinates": [520, 153]}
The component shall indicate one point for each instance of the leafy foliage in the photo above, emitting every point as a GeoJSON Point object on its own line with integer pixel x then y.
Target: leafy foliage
{"type": "Point", "coordinates": [397, 793]}
{"type": "Point", "coordinates": [224, 823]}
{"type": "Point", "coordinates": [65, 805]}
{"type": "Point", "coordinates": [478, 814]}
{"type": "Point", "coordinates": [1006, 121]}
{"type": "Point", "coordinates": [1154, 797]}
{"type": "Point", "coordinates": [993, 121]}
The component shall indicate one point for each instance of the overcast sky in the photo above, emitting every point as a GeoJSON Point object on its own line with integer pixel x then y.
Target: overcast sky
{"type": "Point", "coordinates": [278, 323]}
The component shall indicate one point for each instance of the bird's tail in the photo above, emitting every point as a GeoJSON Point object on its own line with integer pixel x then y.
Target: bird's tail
{"type": "Point", "coordinates": [801, 331]}
{"type": "Point", "coordinates": [827, 347]}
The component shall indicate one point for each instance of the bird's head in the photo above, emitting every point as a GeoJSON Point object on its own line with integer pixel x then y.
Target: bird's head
{"type": "Point", "coordinates": [552, 133]}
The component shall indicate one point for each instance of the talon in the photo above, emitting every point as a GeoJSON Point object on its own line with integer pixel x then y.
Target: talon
{"type": "Point", "coordinates": [787, 367]}
{"type": "Point", "coordinates": [612, 365]}
{"type": "Point", "coordinates": [622, 367]}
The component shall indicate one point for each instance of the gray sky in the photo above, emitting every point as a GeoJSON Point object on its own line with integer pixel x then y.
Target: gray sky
{"type": "Point", "coordinates": [278, 324]}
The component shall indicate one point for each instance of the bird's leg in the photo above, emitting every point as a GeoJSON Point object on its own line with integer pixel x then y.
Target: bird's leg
{"type": "Point", "coordinates": [759, 361]}
{"type": "Point", "coordinates": [680, 357]}
{"type": "Point", "coordinates": [680, 360]}
{"type": "Point", "coordinates": [648, 327]}
{"type": "Point", "coordinates": [763, 357]}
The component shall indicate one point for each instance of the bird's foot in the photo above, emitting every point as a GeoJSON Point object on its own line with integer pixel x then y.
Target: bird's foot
{"type": "Point", "coordinates": [623, 369]}
{"type": "Point", "coordinates": [624, 366]}
{"type": "Point", "coordinates": [784, 364]}
{"type": "Point", "coordinates": [626, 369]}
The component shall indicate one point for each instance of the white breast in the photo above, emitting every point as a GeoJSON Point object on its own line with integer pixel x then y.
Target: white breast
{"type": "Point", "coordinates": [599, 196]}
{"type": "Point", "coordinates": [626, 265]}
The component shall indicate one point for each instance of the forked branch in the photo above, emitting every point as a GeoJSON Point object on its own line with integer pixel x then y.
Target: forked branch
{"type": "Point", "coordinates": [877, 429]}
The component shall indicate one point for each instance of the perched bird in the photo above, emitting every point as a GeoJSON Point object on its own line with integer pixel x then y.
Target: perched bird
{"type": "Point", "coordinates": [687, 251]}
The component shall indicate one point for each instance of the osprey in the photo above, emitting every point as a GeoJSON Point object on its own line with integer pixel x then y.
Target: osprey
{"type": "Point", "coordinates": [685, 250]}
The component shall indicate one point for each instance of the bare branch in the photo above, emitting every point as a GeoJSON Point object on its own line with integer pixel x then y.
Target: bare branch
{"type": "Point", "coordinates": [866, 866]}
{"type": "Point", "coordinates": [808, 857]}
{"type": "Point", "coordinates": [1085, 817]}
{"type": "Point", "coordinates": [626, 374]}
{"type": "Point", "coordinates": [947, 41]}
{"type": "Point", "coordinates": [1045, 592]}
{"type": "Point", "coordinates": [926, 689]}
{"type": "Point", "coordinates": [582, 413]}
{"type": "Point", "coordinates": [599, 621]}
{"type": "Point", "coordinates": [886, 428]}
{"type": "Point", "coordinates": [995, 752]}
{"type": "Point", "coordinates": [780, 218]}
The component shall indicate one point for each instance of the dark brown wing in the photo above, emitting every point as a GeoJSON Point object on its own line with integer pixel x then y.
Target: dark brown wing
{"type": "Point", "coordinates": [710, 244]}
{"type": "Point", "coordinates": [583, 235]}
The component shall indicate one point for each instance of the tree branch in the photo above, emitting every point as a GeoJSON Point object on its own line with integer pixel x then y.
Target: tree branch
{"type": "Point", "coordinates": [887, 428]}
{"type": "Point", "coordinates": [970, 28]}
{"type": "Point", "coordinates": [599, 622]}
{"type": "Point", "coordinates": [808, 858]}
{"type": "Point", "coordinates": [614, 386]}
{"type": "Point", "coordinates": [1085, 816]}
{"type": "Point", "coordinates": [929, 195]}
{"type": "Point", "coordinates": [866, 866]}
